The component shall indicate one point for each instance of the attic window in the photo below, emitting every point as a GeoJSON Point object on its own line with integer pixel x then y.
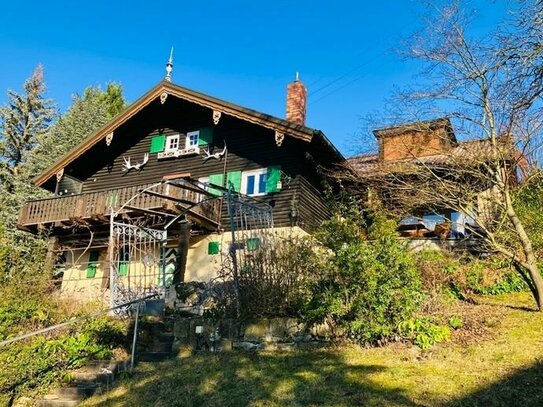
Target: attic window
{"type": "Point", "coordinates": [172, 143]}
{"type": "Point", "coordinates": [192, 140]}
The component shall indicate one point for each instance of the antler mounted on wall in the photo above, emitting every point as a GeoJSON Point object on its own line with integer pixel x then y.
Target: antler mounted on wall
{"type": "Point", "coordinates": [216, 156]}
{"type": "Point", "coordinates": [138, 166]}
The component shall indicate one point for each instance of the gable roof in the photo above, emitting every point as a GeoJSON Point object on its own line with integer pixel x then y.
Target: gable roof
{"type": "Point", "coordinates": [167, 88]}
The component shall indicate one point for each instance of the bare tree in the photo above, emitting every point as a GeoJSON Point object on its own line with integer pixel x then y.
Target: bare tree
{"type": "Point", "coordinates": [490, 89]}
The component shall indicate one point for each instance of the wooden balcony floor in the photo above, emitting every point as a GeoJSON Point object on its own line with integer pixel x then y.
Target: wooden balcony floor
{"type": "Point", "coordinates": [95, 208]}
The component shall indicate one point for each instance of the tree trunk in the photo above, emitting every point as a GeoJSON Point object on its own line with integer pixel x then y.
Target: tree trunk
{"type": "Point", "coordinates": [531, 262]}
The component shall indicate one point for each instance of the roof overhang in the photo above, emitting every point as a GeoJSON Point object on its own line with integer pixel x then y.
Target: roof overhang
{"type": "Point", "coordinates": [164, 90]}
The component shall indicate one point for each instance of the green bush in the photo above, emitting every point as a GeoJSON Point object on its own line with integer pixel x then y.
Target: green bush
{"type": "Point", "coordinates": [445, 273]}
{"type": "Point", "coordinates": [423, 332]}
{"type": "Point", "coordinates": [364, 288]}
{"type": "Point", "coordinates": [32, 365]}
{"type": "Point", "coordinates": [455, 322]}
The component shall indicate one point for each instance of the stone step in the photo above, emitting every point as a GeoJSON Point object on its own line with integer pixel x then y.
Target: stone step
{"type": "Point", "coordinates": [156, 347]}
{"type": "Point", "coordinates": [86, 377]}
{"type": "Point", "coordinates": [102, 366]}
{"type": "Point", "coordinates": [79, 392]}
{"type": "Point", "coordinates": [57, 403]}
{"type": "Point", "coordinates": [153, 356]}
{"type": "Point", "coordinates": [166, 337]}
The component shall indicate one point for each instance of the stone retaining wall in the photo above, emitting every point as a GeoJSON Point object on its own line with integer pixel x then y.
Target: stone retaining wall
{"type": "Point", "coordinates": [193, 334]}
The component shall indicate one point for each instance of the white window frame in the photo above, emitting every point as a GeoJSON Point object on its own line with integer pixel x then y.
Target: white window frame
{"type": "Point", "coordinates": [187, 139]}
{"type": "Point", "coordinates": [244, 178]}
{"type": "Point", "coordinates": [169, 139]}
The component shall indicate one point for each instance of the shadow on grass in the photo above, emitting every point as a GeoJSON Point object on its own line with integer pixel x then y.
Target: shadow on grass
{"type": "Point", "coordinates": [247, 379]}
{"type": "Point", "coordinates": [523, 388]}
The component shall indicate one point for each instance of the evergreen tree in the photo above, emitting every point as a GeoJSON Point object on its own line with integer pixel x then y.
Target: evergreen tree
{"type": "Point", "coordinates": [87, 114]}
{"type": "Point", "coordinates": [30, 141]}
{"type": "Point", "coordinates": [23, 121]}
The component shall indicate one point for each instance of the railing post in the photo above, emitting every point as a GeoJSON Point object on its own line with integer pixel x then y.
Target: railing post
{"type": "Point", "coordinates": [135, 337]}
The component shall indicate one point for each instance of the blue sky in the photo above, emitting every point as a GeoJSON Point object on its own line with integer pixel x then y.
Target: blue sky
{"type": "Point", "coordinates": [241, 51]}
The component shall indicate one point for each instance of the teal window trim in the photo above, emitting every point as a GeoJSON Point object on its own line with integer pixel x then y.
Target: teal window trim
{"type": "Point", "coordinates": [92, 265]}
{"type": "Point", "coordinates": [273, 179]}
{"type": "Point", "coordinates": [158, 143]}
{"type": "Point", "coordinates": [124, 262]}
{"type": "Point", "coordinates": [213, 247]}
{"type": "Point", "coordinates": [205, 136]}
{"type": "Point", "coordinates": [216, 179]}
{"type": "Point", "coordinates": [233, 179]}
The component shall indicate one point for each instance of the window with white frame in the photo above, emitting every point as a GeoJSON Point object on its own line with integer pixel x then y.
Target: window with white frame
{"type": "Point", "coordinates": [172, 143]}
{"type": "Point", "coordinates": [192, 139]}
{"type": "Point", "coordinates": [253, 183]}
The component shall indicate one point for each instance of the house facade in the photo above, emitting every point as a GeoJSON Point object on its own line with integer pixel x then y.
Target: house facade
{"type": "Point", "coordinates": [143, 202]}
{"type": "Point", "coordinates": [421, 167]}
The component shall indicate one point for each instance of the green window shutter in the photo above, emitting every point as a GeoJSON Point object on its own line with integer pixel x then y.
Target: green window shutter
{"type": "Point", "coordinates": [253, 243]}
{"type": "Point", "coordinates": [233, 178]}
{"type": "Point", "coordinates": [124, 258]}
{"type": "Point", "coordinates": [206, 136]}
{"type": "Point", "coordinates": [273, 178]}
{"type": "Point", "coordinates": [158, 143]}
{"type": "Point", "coordinates": [123, 268]}
{"type": "Point", "coordinates": [213, 248]}
{"type": "Point", "coordinates": [216, 179]}
{"type": "Point", "coordinates": [93, 263]}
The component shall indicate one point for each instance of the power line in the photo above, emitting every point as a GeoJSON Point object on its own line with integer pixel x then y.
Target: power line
{"type": "Point", "coordinates": [339, 78]}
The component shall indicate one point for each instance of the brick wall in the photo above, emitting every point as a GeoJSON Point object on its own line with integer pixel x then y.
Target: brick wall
{"type": "Point", "coordinates": [412, 144]}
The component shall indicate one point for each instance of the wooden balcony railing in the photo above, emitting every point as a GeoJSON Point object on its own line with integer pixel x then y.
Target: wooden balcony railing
{"type": "Point", "coordinates": [97, 205]}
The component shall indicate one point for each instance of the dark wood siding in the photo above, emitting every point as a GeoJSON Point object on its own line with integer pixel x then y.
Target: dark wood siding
{"type": "Point", "coordinates": [249, 147]}
{"type": "Point", "coordinates": [312, 209]}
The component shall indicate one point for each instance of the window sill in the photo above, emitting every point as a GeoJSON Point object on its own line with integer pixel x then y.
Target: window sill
{"type": "Point", "coordinates": [179, 153]}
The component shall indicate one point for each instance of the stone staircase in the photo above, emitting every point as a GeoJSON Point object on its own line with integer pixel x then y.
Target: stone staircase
{"type": "Point", "coordinates": [95, 377]}
{"type": "Point", "coordinates": [155, 339]}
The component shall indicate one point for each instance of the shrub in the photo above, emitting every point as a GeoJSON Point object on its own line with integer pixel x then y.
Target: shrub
{"type": "Point", "coordinates": [364, 288]}
{"type": "Point", "coordinates": [423, 332]}
{"type": "Point", "coordinates": [32, 365]}
{"type": "Point", "coordinates": [270, 278]}
{"type": "Point", "coordinates": [455, 322]}
{"type": "Point", "coordinates": [446, 273]}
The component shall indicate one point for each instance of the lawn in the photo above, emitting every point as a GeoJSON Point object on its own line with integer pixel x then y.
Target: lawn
{"type": "Point", "coordinates": [495, 360]}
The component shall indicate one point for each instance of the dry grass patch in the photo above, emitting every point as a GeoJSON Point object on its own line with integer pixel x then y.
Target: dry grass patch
{"type": "Point", "coordinates": [502, 367]}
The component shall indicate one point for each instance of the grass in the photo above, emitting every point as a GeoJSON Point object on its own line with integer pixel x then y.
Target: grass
{"type": "Point", "coordinates": [501, 366]}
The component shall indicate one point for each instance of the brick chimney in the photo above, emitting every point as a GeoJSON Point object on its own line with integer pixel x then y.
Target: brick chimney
{"type": "Point", "coordinates": [296, 101]}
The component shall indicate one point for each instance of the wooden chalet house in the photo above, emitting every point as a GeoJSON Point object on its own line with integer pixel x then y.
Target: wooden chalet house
{"type": "Point", "coordinates": [159, 165]}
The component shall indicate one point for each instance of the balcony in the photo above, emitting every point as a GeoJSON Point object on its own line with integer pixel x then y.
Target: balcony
{"type": "Point", "coordinates": [95, 208]}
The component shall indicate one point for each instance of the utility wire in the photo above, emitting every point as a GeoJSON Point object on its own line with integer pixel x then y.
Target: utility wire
{"type": "Point", "coordinates": [339, 78]}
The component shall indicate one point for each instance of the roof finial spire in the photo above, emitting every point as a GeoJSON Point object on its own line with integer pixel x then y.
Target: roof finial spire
{"type": "Point", "coordinates": [169, 67]}
{"type": "Point", "coordinates": [297, 76]}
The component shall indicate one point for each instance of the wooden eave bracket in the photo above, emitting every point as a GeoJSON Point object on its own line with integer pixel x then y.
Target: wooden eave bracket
{"type": "Point", "coordinates": [279, 137]}
{"type": "Point", "coordinates": [216, 117]}
{"type": "Point", "coordinates": [60, 174]}
{"type": "Point", "coordinates": [163, 96]}
{"type": "Point", "coordinates": [109, 138]}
